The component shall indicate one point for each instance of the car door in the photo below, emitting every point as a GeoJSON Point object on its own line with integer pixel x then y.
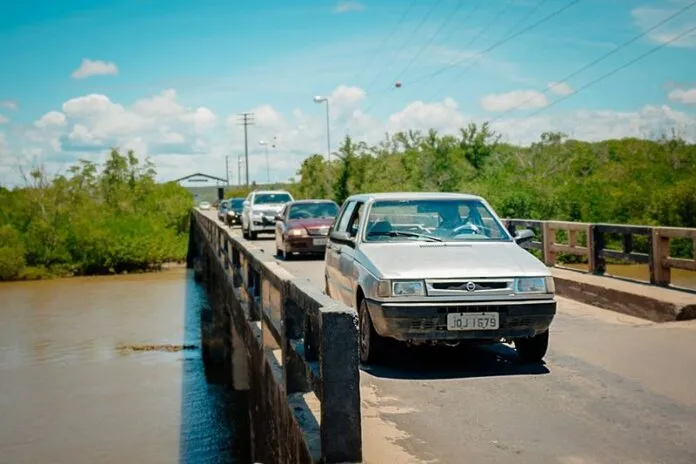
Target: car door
{"type": "Point", "coordinates": [333, 249]}
{"type": "Point", "coordinates": [245, 212]}
{"type": "Point", "coordinates": [280, 228]}
{"type": "Point", "coordinates": [345, 275]}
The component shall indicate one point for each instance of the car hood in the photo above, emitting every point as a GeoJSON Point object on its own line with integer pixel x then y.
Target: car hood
{"type": "Point", "coordinates": [449, 260]}
{"type": "Point", "coordinates": [271, 208]}
{"type": "Point", "coordinates": [310, 223]}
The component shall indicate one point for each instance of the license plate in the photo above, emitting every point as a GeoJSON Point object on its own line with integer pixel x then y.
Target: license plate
{"type": "Point", "coordinates": [320, 241]}
{"type": "Point", "coordinates": [473, 321]}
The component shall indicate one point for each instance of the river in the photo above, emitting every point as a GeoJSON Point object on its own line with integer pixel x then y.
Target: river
{"type": "Point", "coordinates": [99, 369]}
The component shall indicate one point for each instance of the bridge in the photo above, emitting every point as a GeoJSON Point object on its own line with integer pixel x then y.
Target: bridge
{"type": "Point", "coordinates": [617, 385]}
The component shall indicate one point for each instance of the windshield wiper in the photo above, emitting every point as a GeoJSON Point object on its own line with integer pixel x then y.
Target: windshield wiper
{"type": "Point", "coordinates": [399, 233]}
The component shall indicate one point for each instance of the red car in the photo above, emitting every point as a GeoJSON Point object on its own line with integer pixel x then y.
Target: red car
{"type": "Point", "coordinates": [302, 227]}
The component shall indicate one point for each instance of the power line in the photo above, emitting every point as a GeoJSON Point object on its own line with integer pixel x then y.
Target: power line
{"type": "Point", "coordinates": [601, 58]}
{"type": "Point", "coordinates": [615, 70]}
{"type": "Point", "coordinates": [246, 119]}
{"type": "Point", "coordinates": [458, 7]}
{"type": "Point", "coordinates": [378, 96]}
{"type": "Point", "coordinates": [471, 13]}
{"type": "Point", "coordinates": [507, 38]}
{"type": "Point", "coordinates": [407, 42]}
{"type": "Point", "coordinates": [496, 44]}
{"type": "Point", "coordinates": [525, 17]}
{"type": "Point", "coordinates": [384, 42]}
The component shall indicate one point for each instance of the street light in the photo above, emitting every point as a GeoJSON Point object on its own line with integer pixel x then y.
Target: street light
{"type": "Point", "coordinates": [268, 171]}
{"type": "Point", "coordinates": [319, 99]}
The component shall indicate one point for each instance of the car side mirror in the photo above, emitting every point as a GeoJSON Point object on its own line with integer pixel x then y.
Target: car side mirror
{"type": "Point", "coordinates": [278, 217]}
{"type": "Point", "coordinates": [524, 236]}
{"type": "Point", "coordinates": [341, 237]}
{"type": "Point", "coordinates": [246, 203]}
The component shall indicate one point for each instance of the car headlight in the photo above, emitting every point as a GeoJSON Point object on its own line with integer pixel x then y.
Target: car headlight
{"type": "Point", "coordinates": [297, 232]}
{"type": "Point", "coordinates": [404, 288]}
{"type": "Point", "coordinates": [534, 285]}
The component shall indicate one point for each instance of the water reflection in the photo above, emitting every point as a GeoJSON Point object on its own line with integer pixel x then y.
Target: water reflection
{"type": "Point", "coordinates": [68, 395]}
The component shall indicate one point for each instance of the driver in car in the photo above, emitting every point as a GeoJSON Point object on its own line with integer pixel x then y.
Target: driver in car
{"type": "Point", "coordinates": [451, 220]}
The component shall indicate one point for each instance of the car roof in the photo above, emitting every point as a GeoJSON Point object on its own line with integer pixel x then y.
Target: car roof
{"type": "Point", "coordinates": [318, 200]}
{"type": "Point", "coordinates": [414, 196]}
{"type": "Point", "coordinates": [270, 191]}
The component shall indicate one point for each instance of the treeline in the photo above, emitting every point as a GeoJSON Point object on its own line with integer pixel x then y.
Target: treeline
{"type": "Point", "coordinates": [651, 182]}
{"type": "Point", "coordinates": [95, 219]}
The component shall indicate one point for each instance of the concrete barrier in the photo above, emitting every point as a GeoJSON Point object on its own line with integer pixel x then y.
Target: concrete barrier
{"type": "Point", "coordinates": [301, 350]}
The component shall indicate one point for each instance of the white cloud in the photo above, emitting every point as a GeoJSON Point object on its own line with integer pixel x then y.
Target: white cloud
{"type": "Point", "coordinates": [348, 5]}
{"type": "Point", "coordinates": [174, 138]}
{"type": "Point", "coordinates": [687, 97]}
{"type": "Point", "coordinates": [517, 99]}
{"type": "Point", "coordinates": [52, 118]}
{"type": "Point", "coordinates": [4, 119]}
{"type": "Point", "coordinates": [90, 68]}
{"type": "Point", "coordinates": [9, 104]}
{"type": "Point", "coordinates": [560, 88]}
{"type": "Point", "coordinates": [647, 17]}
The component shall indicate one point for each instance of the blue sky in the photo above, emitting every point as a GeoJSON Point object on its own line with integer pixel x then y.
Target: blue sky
{"type": "Point", "coordinates": [164, 77]}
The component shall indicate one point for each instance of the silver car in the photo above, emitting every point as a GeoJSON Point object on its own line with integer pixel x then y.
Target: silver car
{"type": "Point", "coordinates": [437, 268]}
{"type": "Point", "coordinates": [260, 209]}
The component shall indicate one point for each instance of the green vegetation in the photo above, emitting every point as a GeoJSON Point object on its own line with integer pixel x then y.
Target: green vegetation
{"type": "Point", "coordinates": [96, 219]}
{"type": "Point", "coordinates": [628, 181]}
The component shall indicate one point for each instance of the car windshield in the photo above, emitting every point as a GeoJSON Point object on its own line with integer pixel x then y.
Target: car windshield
{"type": "Point", "coordinates": [433, 220]}
{"type": "Point", "coordinates": [317, 210]}
{"type": "Point", "coordinates": [236, 203]}
{"type": "Point", "coordinates": [268, 198]}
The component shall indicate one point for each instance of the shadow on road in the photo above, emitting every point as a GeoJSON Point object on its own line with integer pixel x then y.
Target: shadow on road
{"type": "Point", "coordinates": [464, 361]}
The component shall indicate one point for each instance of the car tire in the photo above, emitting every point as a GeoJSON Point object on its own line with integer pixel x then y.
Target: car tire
{"type": "Point", "coordinates": [371, 343]}
{"type": "Point", "coordinates": [533, 349]}
{"type": "Point", "coordinates": [252, 235]}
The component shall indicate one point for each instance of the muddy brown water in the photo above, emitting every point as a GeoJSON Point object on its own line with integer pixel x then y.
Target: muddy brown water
{"type": "Point", "coordinates": [108, 370]}
{"type": "Point", "coordinates": [641, 272]}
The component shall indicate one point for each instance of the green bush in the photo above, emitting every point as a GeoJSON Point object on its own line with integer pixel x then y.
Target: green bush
{"type": "Point", "coordinates": [97, 219]}
{"type": "Point", "coordinates": [11, 253]}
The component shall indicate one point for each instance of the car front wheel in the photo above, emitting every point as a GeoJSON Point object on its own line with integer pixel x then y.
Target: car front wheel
{"type": "Point", "coordinates": [533, 349]}
{"type": "Point", "coordinates": [371, 343]}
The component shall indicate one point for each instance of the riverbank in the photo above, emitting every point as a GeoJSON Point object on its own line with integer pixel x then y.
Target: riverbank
{"type": "Point", "coordinates": [35, 273]}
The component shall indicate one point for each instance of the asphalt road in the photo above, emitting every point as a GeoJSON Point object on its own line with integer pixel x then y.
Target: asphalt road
{"type": "Point", "coordinates": [614, 389]}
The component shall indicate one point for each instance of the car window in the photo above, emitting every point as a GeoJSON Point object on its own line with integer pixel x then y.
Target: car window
{"type": "Point", "coordinates": [342, 222]}
{"type": "Point", "coordinates": [324, 210]}
{"type": "Point", "coordinates": [444, 219]}
{"type": "Point", "coordinates": [271, 198]}
{"type": "Point", "coordinates": [355, 220]}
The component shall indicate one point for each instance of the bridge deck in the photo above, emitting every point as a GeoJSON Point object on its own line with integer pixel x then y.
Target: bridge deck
{"type": "Point", "coordinates": [614, 389]}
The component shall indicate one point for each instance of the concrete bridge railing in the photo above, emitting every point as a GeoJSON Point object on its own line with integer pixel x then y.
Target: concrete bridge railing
{"type": "Point", "coordinates": [591, 241]}
{"type": "Point", "coordinates": [301, 347]}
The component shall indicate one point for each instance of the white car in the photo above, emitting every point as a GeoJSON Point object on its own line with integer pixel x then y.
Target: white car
{"type": "Point", "coordinates": [260, 209]}
{"type": "Point", "coordinates": [204, 205]}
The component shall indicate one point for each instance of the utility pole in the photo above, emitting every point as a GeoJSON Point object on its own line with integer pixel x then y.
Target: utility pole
{"type": "Point", "coordinates": [246, 119]}
{"type": "Point", "coordinates": [239, 170]}
{"type": "Point", "coordinates": [227, 169]}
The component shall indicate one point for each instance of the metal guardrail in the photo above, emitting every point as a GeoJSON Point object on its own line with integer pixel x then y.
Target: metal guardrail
{"type": "Point", "coordinates": [318, 337]}
{"type": "Point", "coordinates": [590, 240]}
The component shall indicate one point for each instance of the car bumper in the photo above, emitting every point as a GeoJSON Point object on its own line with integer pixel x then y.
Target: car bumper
{"type": "Point", "coordinates": [310, 244]}
{"type": "Point", "coordinates": [263, 224]}
{"type": "Point", "coordinates": [426, 321]}
{"type": "Point", "coordinates": [234, 218]}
